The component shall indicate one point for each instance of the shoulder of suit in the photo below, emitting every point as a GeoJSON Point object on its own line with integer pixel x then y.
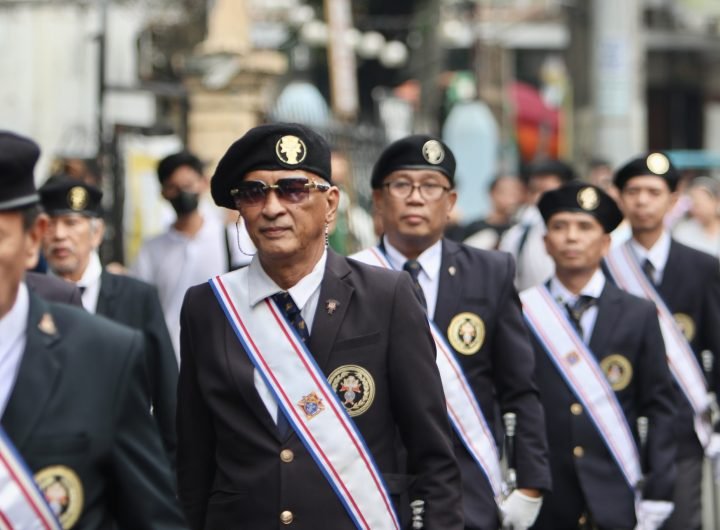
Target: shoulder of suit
{"type": "Point", "coordinates": [698, 257]}
{"type": "Point", "coordinates": [130, 282]}
{"type": "Point", "coordinates": [632, 302]}
{"type": "Point", "coordinates": [372, 272]}
{"type": "Point", "coordinates": [491, 258]}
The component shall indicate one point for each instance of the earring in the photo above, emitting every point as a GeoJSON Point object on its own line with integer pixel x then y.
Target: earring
{"type": "Point", "coordinates": [327, 235]}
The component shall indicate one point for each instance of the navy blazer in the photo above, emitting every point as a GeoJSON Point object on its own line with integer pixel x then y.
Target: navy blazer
{"type": "Point", "coordinates": [627, 326]}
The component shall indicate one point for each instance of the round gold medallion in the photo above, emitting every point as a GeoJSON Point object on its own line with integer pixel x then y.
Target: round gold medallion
{"type": "Point", "coordinates": [77, 198]}
{"type": "Point", "coordinates": [433, 152]}
{"type": "Point", "coordinates": [658, 163]}
{"type": "Point", "coordinates": [291, 150]}
{"type": "Point", "coordinates": [686, 325]}
{"type": "Point", "coordinates": [618, 371]}
{"type": "Point", "coordinates": [354, 386]}
{"type": "Point", "coordinates": [587, 199]}
{"type": "Point", "coordinates": [63, 492]}
{"type": "Point", "coordinates": [466, 333]}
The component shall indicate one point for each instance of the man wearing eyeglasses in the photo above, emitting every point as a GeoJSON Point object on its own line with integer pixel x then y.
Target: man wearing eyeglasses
{"type": "Point", "coordinates": [483, 348]}
{"type": "Point", "coordinates": [299, 371]}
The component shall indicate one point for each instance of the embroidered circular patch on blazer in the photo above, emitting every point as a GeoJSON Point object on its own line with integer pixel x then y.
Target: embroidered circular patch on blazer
{"type": "Point", "coordinates": [686, 325]}
{"type": "Point", "coordinates": [466, 333]}
{"type": "Point", "coordinates": [354, 386]}
{"type": "Point", "coordinates": [618, 371]}
{"type": "Point", "coordinates": [63, 492]}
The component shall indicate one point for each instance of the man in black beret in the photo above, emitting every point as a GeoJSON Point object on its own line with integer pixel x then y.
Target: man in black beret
{"type": "Point", "coordinates": [299, 371]}
{"type": "Point", "coordinates": [685, 285]}
{"type": "Point", "coordinates": [70, 245]}
{"type": "Point", "coordinates": [75, 413]}
{"type": "Point", "coordinates": [525, 240]}
{"type": "Point", "coordinates": [479, 330]}
{"type": "Point", "coordinates": [600, 366]}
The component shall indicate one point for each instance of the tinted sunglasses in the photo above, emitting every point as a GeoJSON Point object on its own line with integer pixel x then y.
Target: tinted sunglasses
{"type": "Point", "coordinates": [290, 190]}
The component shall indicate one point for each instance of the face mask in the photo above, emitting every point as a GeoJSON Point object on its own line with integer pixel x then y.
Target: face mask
{"type": "Point", "coordinates": [185, 202]}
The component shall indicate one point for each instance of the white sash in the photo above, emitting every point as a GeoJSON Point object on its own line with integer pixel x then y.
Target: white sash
{"type": "Point", "coordinates": [311, 406]}
{"type": "Point", "coordinates": [464, 411]}
{"type": "Point", "coordinates": [583, 375]}
{"type": "Point", "coordinates": [22, 505]}
{"type": "Point", "coordinates": [628, 275]}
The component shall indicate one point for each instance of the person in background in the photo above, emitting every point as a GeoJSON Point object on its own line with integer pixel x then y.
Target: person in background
{"type": "Point", "coordinates": [701, 230]}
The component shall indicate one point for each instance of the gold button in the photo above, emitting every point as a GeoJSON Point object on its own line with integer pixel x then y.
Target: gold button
{"type": "Point", "coordinates": [578, 451]}
{"type": "Point", "coordinates": [286, 517]}
{"type": "Point", "coordinates": [286, 455]}
{"type": "Point", "coordinates": [576, 409]}
{"type": "Point", "coordinates": [582, 520]}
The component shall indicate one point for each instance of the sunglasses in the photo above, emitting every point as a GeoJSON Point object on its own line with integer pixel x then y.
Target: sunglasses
{"type": "Point", "coordinates": [289, 190]}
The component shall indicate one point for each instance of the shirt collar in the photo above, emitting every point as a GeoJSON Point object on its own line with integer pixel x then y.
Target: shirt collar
{"type": "Point", "coordinates": [430, 260]}
{"type": "Point", "coordinates": [593, 288]}
{"type": "Point", "coordinates": [261, 286]}
{"type": "Point", "coordinates": [92, 271]}
{"type": "Point", "coordinates": [657, 254]}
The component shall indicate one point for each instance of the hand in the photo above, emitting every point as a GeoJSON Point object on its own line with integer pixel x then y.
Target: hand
{"type": "Point", "coordinates": [652, 514]}
{"type": "Point", "coordinates": [713, 447]}
{"type": "Point", "coordinates": [519, 511]}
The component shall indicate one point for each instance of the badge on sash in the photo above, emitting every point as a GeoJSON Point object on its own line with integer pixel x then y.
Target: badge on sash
{"type": "Point", "coordinates": [686, 325]}
{"type": "Point", "coordinates": [618, 371]}
{"type": "Point", "coordinates": [354, 386]}
{"type": "Point", "coordinates": [63, 492]}
{"type": "Point", "coordinates": [466, 333]}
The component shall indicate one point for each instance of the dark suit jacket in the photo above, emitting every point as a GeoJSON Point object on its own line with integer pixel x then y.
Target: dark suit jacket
{"type": "Point", "coordinates": [230, 474]}
{"type": "Point", "coordinates": [53, 289]}
{"type": "Point", "coordinates": [136, 304]}
{"type": "Point", "coordinates": [691, 285]}
{"type": "Point", "coordinates": [79, 401]}
{"type": "Point", "coordinates": [627, 326]}
{"type": "Point", "coordinates": [501, 373]}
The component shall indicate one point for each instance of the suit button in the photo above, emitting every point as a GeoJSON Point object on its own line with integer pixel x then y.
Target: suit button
{"type": "Point", "coordinates": [286, 455]}
{"type": "Point", "coordinates": [286, 517]}
{"type": "Point", "coordinates": [583, 520]}
{"type": "Point", "coordinates": [576, 409]}
{"type": "Point", "coordinates": [578, 451]}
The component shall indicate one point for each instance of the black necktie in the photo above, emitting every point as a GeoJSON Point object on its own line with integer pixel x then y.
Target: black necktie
{"type": "Point", "coordinates": [81, 288]}
{"type": "Point", "coordinates": [577, 310]}
{"type": "Point", "coordinates": [649, 270]}
{"type": "Point", "coordinates": [412, 266]}
{"type": "Point", "coordinates": [292, 312]}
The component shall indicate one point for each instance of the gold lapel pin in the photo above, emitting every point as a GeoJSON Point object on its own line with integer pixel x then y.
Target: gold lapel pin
{"type": "Point", "coordinates": [452, 270]}
{"type": "Point", "coordinates": [331, 305]}
{"type": "Point", "coordinates": [47, 324]}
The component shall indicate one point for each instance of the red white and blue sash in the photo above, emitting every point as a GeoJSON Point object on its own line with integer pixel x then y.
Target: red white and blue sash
{"type": "Point", "coordinates": [22, 504]}
{"type": "Point", "coordinates": [464, 411]}
{"type": "Point", "coordinates": [311, 406]}
{"type": "Point", "coordinates": [583, 375]}
{"type": "Point", "coordinates": [625, 270]}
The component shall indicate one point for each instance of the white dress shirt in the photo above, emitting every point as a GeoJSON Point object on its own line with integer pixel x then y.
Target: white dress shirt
{"type": "Point", "coordinates": [657, 255]}
{"type": "Point", "coordinates": [305, 294]}
{"type": "Point", "coordinates": [593, 288]}
{"type": "Point", "coordinates": [429, 278]}
{"type": "Point", "coordinates": [13, 331]}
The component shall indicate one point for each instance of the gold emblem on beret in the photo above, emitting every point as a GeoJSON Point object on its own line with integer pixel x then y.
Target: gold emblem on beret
{"type": "Point", "coordinates": [658, 163]}
{"type": "Point", "coordinates": [466, 333]}
{"type": "Point", "coordinates": [311, 405]}
{"type": "Point", "coordinates": [686, 325]}
{"type": "Point", "coordinates": [588, 199]}
{"type": "Point", "coordinates": [618, 371]}
{"type": "Point", "coordinates": [77, 198]}
{"type": "Point", "coordinates": [63, 492]}
{"type": "Point", "coordinates": [291, 150]}
{"type": "Point", "coordinates": [354, 387]}
{"type": "Point", "coordinates": [433, 152]}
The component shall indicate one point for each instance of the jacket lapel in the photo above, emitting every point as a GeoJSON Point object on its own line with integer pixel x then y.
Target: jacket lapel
{"type": "Point", "coordinates": [108, 292]}
{"type": "Point", "coordinates": [672, 272]}
{"type": "Point", "coordinates": [606, 320]}
{"type": "Point", "coordinates": [335, 294]}
{"type": "Point", "coordinates": [37, 375]}
{"type": "Point", "coordinates": [449, 286]}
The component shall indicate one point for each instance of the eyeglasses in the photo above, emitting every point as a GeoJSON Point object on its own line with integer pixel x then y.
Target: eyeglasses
{"type": "Point", "coordinates": [402, 189]}
{"type": "Point", "coordinates": [291, 190]}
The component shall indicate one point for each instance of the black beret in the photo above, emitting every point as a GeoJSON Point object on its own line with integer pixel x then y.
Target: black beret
{"type": "Point", "coordinates": [169, 164]}
{"type": "Point", "coordinates": [419, 151]}
{"type": "Point", "coordinates": [585, 198]}
{"type": "Point", "coordinates": [274, 147]}
{"type": "Point", "coordinates": [18, 156]}
{"type": "Point", "coordinates": [649, 164]}
{"type": "Point", "coordinates": [549, 167]}
{"type": "Point", "coordinates": [61, 195]}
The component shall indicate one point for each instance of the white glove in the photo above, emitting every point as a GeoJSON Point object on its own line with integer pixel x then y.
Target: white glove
{"type": "Point", "coordinates": [652, 514]}
{"type": "Point", "coordinates": [713, 448]}
{"type": "Point", "coordinates": [518, 511]}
